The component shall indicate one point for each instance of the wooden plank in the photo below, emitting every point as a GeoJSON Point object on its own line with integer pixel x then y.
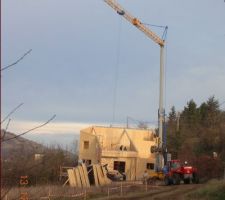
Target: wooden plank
{"type": "Point", "coordinates": [107, 180]}
{"type": "Point", "coordinates": [71, 177]}
{"type": "Point", "coordinates": [83, 181]}
{"type": "Point", "coordinates": [66, 182]}
{"type": "Point", "coordinates": [100, 175]}
{"type": "Point", "coordinates": [95, 176]}
{"type": "Point", "coordinates": [77, 174]}
{"type": "Point", "coordinates": [85, 175]}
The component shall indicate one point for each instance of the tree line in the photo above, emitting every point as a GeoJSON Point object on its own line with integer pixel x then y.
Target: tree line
{"type": "Point", "coordinates": [197, 134]}
{"type": "Point", "coordinates": [44, 170]}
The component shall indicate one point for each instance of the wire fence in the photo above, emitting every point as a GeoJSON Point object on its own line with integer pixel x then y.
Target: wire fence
{"type": "Point", "coordinates": [119, 189]}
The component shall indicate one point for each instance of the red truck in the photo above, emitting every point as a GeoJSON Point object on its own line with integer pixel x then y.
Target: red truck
{"type": "Point", "coordinates": [175, 173]}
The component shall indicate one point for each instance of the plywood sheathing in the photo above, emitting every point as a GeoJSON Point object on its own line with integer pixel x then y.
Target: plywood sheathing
{"type": "Point", "coordinates": [131, 146]}
{"type": "Point", "coordinates": [95, 176]}
{"type": "Point", "coordinates": [84, 168]}
{"type": "Point", "coordinates": [82, 178]}
{"type": "Point", "coordinates": [72, 179]}
{"type": "Point", "coordinates": [100, 175]}
{"type": "Point", "coordinates": [78, 177]}
{"type": "Point", "coordinates": [77, 174]}
{"type": "Point", "coordinates": [107, 180]}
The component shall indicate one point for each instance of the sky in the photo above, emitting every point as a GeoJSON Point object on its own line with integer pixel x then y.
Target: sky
{"type": "Point", "coordinates": [81, 49]}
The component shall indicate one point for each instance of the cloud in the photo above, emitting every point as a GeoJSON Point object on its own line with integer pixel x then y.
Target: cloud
{"type": "Point", "coordinates": [18, 127]}
{"type": "Point", "coordinates": [58, 128]}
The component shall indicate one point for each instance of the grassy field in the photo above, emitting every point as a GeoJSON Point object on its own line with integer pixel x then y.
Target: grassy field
{"type": "Point", "coordinates": [213, 190]}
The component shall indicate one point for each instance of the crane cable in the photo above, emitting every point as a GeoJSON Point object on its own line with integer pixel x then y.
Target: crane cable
{"type": "Point", "coordinates": [159, 26]}
{"type": "Point", "coordinates": [116, 75]}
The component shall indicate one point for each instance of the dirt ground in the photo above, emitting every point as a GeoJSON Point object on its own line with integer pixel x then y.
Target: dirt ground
{"type": "Point", "coordinates": [134, 192]}
{"type": "Point", "coordinates": [163, 192]}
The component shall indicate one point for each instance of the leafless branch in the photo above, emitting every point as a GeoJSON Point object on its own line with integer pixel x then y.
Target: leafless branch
{"type": "Point", "coordinates": [8, 66]}
{"type": "Point", "coordinates": [12, 112]}
{"type": "Point", "coordinates": [30, 129]}
{"type": "Point", "coordinates": [7, 126]}
{"type": "Point", "coordinates": [4, 131]}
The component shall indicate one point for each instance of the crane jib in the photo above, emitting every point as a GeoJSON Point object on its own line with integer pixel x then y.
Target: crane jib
{"type": "Point", "coordinates": [136, 22]}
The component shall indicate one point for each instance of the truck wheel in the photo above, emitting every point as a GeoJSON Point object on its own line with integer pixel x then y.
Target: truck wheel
{"type": "Point", "coordinates": [176, 179]}
{"type": "Point", "coordinates": [195, 178]}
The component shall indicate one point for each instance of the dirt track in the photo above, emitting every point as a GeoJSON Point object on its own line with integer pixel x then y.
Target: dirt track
{"type": "Point", "coordinates": [164, 192]}
{"type": "Point", "coordinates": [174, 192]}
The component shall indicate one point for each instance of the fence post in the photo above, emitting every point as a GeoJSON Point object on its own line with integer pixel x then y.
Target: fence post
{"type": "Point", "coordinates": [85, 194]}
{"type": "Point", "coordinates": [224, 174]}
{"type": "Point", "coordinates": [108, 193]}
{"type": "Point", "coordinates": [121, 189]}
{"type": "Point", "coordinates": [49, 193]}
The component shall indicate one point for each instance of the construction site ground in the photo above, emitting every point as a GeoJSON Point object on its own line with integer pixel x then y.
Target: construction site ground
{"type": "Point", "coordinates": [154, 192]}
{"type": "Point", "coordinates": [162, 192]}
{"type": "Point", "coordinates": [214, 190]}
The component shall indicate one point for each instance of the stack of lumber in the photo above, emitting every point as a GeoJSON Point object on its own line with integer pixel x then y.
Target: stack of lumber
{"type": "Point", "coordinates": [82, 178]}
{"type": "Point", "coordinates": [100, 175]}
{"type": "Point", "coordinates": [78, 177]}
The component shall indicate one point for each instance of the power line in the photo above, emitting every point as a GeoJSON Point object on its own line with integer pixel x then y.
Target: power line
{"type": "Point", "coordinates": [138, 122]}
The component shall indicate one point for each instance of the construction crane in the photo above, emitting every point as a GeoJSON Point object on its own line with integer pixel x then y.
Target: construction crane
{"type": "Point", "coordinates": [161, 42]}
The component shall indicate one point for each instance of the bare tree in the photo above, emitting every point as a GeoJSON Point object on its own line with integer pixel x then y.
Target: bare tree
{"type": "Point", "coordinates": [32, 129]}
{"type": "Point", "coordinates": [6, 128]}
{"type": "Point", "coordinates": [14, 110]}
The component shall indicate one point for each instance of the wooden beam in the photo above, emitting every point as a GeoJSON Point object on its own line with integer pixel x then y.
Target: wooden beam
{"type": "Point", "coordinates": [85, 174]}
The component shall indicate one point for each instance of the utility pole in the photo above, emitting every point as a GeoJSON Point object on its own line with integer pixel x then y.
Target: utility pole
{"type": "Point", "coordinates": [178, 121]}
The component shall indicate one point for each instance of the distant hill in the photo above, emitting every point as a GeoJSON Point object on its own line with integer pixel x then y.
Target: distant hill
{"type": "Point", "coordinates": [18, 158]}
{"type": "Point", "coordinates": [66, 141]}
{"type": "Point", "coordinates": [18, 146]}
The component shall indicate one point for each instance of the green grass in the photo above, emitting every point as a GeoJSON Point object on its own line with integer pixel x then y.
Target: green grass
{"type": "Point", "coordinates": [214, 190]}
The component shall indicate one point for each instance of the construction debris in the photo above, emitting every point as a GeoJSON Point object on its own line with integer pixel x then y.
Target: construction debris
{"type": "Point", "coordinates": [83, 177]}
